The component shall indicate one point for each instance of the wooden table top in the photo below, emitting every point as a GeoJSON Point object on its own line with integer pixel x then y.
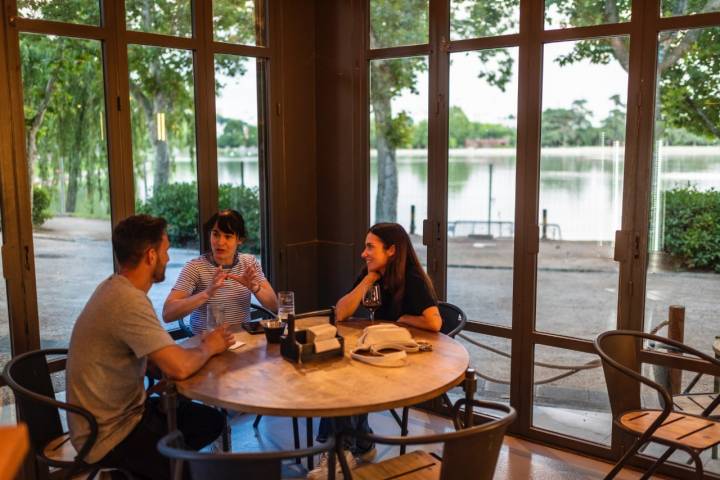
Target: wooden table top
{"type": "Point", "coordinates": [14, 445]}
{"type": "Point", "coordinates": [256, 379]}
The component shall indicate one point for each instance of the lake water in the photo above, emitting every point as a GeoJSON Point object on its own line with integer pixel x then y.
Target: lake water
{"type": "Point", "coordinates": [581, 188]}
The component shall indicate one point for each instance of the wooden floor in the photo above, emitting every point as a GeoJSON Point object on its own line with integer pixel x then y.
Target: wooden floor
{"type": "Point", "coordinates": [519, 459]}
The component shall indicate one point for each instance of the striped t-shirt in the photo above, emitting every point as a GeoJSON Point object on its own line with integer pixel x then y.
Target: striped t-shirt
{"type": "Point", "coordinates": [197, 274]}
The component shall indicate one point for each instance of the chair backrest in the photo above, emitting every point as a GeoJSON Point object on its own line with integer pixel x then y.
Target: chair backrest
{"type": "Point", "coordinates": [28, 376]}
{"type": "Point", "coordinates": [470, 453]}
{"type": "Point", "coordinates": [258, 311]}
{"type": "Point", "coordinates": [619, 351]}
{"type": "Point", "coordinates": [227, 466]}
{"type": "Point", "coordinates": [477, 452]}
{"type": "Point", "coordinates": [453, 318]}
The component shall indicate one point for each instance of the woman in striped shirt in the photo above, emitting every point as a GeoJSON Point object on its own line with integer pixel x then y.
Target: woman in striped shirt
{"type": "Point", "coordinates": [222, 276]}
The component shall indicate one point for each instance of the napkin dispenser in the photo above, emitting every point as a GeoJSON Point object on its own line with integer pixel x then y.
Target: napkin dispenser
{"type": "Point", "coordinates": [319, 342]}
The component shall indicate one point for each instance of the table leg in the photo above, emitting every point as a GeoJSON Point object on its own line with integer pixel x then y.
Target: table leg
{"type": "Point", "coordinates": [309, 439]}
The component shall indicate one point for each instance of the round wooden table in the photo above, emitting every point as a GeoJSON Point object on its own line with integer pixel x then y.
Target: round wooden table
{"type": "Point", "coordinates": [257, 379]}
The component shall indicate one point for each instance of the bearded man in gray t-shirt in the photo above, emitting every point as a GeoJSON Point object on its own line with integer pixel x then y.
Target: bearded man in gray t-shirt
{"type": "Point", "coordinates": [113, 338]}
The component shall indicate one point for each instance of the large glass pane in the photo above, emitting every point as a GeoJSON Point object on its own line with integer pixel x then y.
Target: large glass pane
{"type": "Point", "coordinates": [684, 235]}
{"type": "Point", "coordinates": [74, 11]}
{"type": "Point", "coordinates": [164, 153]}
{"type": "Point", "coordinates": [167, 17]}
{"type": "Point", "coordinates": [490, 357]}
{"type": "Point", "coordinates": [581, 171]}
{"type": "Point", "coordinates": [672, 8]}
{"type": "Point", "coordinates": [68, 166]}
{"type": "Point", "coordinates": [398, 142]}
{"type": "Point", "coordinates": [571, 13]}
{"type": "Point", "coordinates": [570, 396]}
{"type": "Point", "coordinates": [239, 140]}
{"type": "Point", "coordinates": [481, 183]}
{"type": "Point", "coordinates": [394, 23]}
{"type": "Point", "coordinates": [241, 22]}
{"type": "Point", "coordinates": [483, 18]}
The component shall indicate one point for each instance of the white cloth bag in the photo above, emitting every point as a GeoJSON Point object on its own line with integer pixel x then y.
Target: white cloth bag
{"type": "Point", "coordinates": [384, 345]}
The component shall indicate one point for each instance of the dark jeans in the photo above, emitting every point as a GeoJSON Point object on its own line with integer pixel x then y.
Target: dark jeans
{"type": "Point", "coordinates": [138, 453]}
{"type": "Point", "coordinates": [359, 423]}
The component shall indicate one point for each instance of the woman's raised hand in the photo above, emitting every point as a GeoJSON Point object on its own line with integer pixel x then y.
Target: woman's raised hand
{"type": "Point", "coordinates": [247, 279]}
{"type": "Point", "coordinates": [217, 282]}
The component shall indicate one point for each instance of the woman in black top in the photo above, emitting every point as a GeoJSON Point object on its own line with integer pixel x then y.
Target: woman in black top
{"type": "Point", "coordinates": [408, 297]}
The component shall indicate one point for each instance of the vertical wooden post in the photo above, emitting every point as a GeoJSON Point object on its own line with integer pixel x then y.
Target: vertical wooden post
{"type": "Point", "coordinates": [412, 219]}
{"type": "Point", "coordinates": [676, 331]}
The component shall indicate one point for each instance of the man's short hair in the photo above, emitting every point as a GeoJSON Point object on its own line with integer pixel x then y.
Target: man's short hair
{"type": "Point", "coordinates": [134, 235]}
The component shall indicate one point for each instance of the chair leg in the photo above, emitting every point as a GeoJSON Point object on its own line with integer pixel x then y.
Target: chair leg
{"type": "Point", "coordinates": [257, 421]}
{"type": "Point", "coordinates": [658, 462]}
{"type": "Point", "coordinates": [225, 432]}
{"type": "Point", "coordinates": [396, 417]}
{"type": "Point", "coordinates": [309, 439]}
{"type": "Point", "coordinates": [331, 465]}
{"type": "Point", "coordinates": [619, 465]}
{"type": "Point", "coordinates": [296, 437]}
{"type": "Point", "coordinates": [404, 428]}
{"type": "Point", "coordinates": [698, 464]}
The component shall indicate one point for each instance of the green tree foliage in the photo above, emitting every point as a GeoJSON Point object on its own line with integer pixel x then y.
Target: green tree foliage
{"type": "Point", "coordinates": [177, 203]}
{"type": "Point", "coordinates": [688, 65]}
{"type": "Point", "coordinates": [64, 117]}
{"type": "Point", "coordinates": [236, 133]}
{"type": "Point", "coordinates": [40, 206]}
{"type": "Point", "coordinates": [692, 227]}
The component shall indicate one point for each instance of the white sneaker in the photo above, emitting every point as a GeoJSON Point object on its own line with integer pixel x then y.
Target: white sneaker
{"type": "Point", "coordinates": [321, 471]}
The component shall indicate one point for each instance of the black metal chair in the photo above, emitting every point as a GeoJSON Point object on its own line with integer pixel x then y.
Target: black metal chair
{"type": "Point", "coordinates": [28, 376]}
{"type": "Point", "coordinates": [231, 466]}
{"type": "Point", "coordinates": [256, 312]}
{"type": "Point", "coordinates": [454, 319]}
{"type": "Point", "coordinates": [619, 351]}
{"type": "Point", "coordinates": [468, 453]}
{"type": "Point", "coordinates": [330, 313]}
{"type": "Point", "coordinates": [453, 322]}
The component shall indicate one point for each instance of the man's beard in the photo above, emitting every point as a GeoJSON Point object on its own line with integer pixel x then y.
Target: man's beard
{"type": "Point", "coordinates": [159, 273]}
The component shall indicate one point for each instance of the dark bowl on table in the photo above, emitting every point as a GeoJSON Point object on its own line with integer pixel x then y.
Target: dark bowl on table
{"type": "Point", "coordinates": [273, 330]}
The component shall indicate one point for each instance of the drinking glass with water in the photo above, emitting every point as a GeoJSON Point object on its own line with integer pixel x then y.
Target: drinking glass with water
{"type": "Point", "coordinates": [215, 316]}
{"type": "Point", "coordinates": [286, 305]}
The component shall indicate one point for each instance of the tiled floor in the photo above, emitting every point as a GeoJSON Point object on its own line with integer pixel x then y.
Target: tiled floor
{"type": "Point", "coordinates": [519, 459]}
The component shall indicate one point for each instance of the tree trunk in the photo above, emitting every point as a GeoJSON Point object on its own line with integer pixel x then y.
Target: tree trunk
{"type": "Point", "coordinates": [387, 173]}
{"type": "Point", "coordinates": [75, 155]}
{"type": "Point", "coordinates": [33, 127]}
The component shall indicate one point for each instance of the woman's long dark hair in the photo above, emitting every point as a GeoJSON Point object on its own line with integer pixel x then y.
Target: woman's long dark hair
{"type": "Point", "coordinates": [403, 263]}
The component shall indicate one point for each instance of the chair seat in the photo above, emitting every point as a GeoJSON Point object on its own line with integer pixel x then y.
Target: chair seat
{"type": "Point", "coordinates": [695, 403]}
{"type": "Point", "coordinates": [417, 465]}
{"type": "Point", "coordinates": [60, 449]}
{"type": "Point", "coordinates": [695, 432]}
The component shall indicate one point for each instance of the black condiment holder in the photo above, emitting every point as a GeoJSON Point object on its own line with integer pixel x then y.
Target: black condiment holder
{"type": "Point", "coordinates": [295, 347]}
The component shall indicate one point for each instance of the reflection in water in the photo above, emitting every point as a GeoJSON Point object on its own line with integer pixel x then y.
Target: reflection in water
{"type": "Point", "coordinates": [581, 190]}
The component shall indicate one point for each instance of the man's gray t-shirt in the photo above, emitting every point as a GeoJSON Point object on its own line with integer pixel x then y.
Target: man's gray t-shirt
{"type": "Point", "coordinates": [110, 342]}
